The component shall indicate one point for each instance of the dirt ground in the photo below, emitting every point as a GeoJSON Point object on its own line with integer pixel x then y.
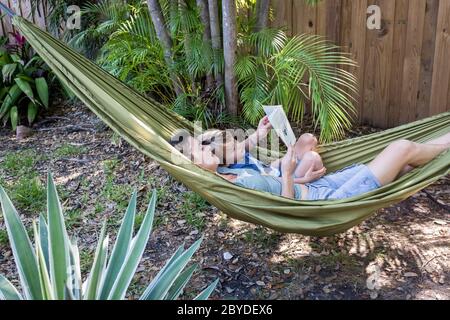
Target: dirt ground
{"type": "Point", "coordinates": [402, 252]}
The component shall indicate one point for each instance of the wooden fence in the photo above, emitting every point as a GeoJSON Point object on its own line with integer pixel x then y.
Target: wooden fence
{"type": "Point", "coordinates": [404, 68]}
{"type": "Point", "coordinates": [23, 8]}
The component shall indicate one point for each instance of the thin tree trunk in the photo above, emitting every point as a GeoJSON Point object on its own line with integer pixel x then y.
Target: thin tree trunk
{"type": "Point", "coordinates": [165, 39]}
{"type": "Point", "coordinates": [204, 15]}
{"type": "Point", "coordinates": [215, 35]}
{"type": "Point", "coordinates": [262, 14]}
{"type": "Point", "coordinates": [230, 54]}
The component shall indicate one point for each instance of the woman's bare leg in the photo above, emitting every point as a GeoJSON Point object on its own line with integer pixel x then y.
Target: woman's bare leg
{"type": "Point", "coordinates": [392, 160]}
{"type": "Point", "coordinates": [441, 140]}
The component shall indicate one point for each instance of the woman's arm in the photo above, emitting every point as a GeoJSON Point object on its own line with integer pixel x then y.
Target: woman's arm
{"type": "Point", "coordinates": [288, 165]}
{"type": "Point", "coordinates": [311, 175]}
{"type": "Point", "coordinates": [252, 141]}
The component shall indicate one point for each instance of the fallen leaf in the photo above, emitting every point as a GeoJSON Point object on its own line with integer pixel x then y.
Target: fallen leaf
{"type": "Point", "coordinates": [227, 256]}
{"type": "Point", "coordinates": [411, 274]}
{"type": "Point", "coordinates": [440, 222]}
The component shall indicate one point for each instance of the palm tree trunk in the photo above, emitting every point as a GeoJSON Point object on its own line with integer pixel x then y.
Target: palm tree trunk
{"type": "Point", "coordinates": [230, 54]}
{"type": "Point", "coordinates": [166, 41]}
{"type": "Point", "coordinates": [215, 35]}
{"type": "Point", "coordinates": [204, 15]}
{"type": "Point", "coordinates": [262, 14]}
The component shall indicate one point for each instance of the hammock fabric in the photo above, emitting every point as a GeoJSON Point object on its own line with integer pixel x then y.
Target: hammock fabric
{"type": "Point", "coordinates": [147, 125]}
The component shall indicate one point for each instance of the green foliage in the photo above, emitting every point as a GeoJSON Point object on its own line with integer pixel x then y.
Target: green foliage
{"type": "Point", "coordinates": [20, 163]}
{"type": "Point", "coordinates": [193, 209]}
{"type": "Point", "coordinates": [271, 69]}
{"type": "Point", "coordinates": [3, 238]}
{"type": "Point", "coordinates": [29, 192]}
{"type": "Point", "coordinates": [52, 268]}
{"type": "Point", "coordinates": [294, 72]}
{"type": "Point", "coordinates": [23, 84]}
{"type": "Point", "coordinates": [68, 149]}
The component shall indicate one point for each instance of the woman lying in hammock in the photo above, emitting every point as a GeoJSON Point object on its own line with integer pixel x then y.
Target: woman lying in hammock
{"type": "Point", "coordinates": [234, 155]}
{"type": "Point", "coordinates": [397, 159]}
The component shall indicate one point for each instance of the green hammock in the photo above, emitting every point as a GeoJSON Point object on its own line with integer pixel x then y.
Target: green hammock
{"type": "Point", "coordinates": [147, 125]}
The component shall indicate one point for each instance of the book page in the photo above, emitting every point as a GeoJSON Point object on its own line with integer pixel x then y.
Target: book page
{"type": "Point", "coordinates": [280, 123]}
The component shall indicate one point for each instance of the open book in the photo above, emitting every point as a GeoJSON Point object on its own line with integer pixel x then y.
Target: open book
{"type": "Point", "coordinates": [280, 123]}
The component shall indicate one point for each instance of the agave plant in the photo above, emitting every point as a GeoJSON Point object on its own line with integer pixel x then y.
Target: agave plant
{"type": "Point", "coordinates": [51, 270]}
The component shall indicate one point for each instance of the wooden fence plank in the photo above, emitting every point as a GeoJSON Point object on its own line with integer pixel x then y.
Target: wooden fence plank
{"type": "Point", "coordinates": [283, 15]}
{"type": "Point", "coordinates": [441, 74]}
{"type": "Point", "coordinates": [427, 58]}
{"type": "Point", "coordinates": [398, 55]}
{"type": "Point", "coordinates": [7, 23]}
{"type": "Point", "coordinates": [26, 10]}
{"type": "Point", "coordinates": [413, 53]}
{"type": "Point", "coordinates": [1, 28]}
{"type": "Point", "coordinates": [358, 48]}
{"type": "Point", "coordinates": [304, 17]}
{"type": "Point", "coordinates": [378, 66]}
{"type": "Point", "coordinates": [328, 17]}
{"type": "Point", "coordinates": [39, 16]}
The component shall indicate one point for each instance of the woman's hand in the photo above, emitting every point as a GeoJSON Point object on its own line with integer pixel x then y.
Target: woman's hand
{"type": "Point", "coordinates": [263, 127]}
{"type": "Point", "coordinates": [289, 163]}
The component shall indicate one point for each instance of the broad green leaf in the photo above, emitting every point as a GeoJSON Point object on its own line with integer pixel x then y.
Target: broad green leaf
{"type": "Point", "coordinates": [137, 249]}
{"type": "Point", "coordinates": [180, 283]}
{"type": "Point", "coordinates": [98, 266]}
{"type": "Point", "coordinates": [8, 291]}
{"type": "Point", "coordinates": [32, 112]}
{"type": "Point", "coordinates": [25, 87]}
{"type": "Point", "coordinates": [11, 98]}
{"type": "Point", "coordinates": [22, 249]}
{"type": "Point", "coordinates": [42, 90]}
{"type": "Point", "coordinates": [8, 71]}
{"type": "Point", "coordinates": [58, 241]}
{"type": "Point", "coordinates": [120, 249]}
{"type": "Point", "coordinates": [161, 286]}
{"type": "Point", "coordinates": [204, 295]}
{"type": "Point", "coordinates": [14, 116]}
{"type": "Point", "coordinates": [3, 92]}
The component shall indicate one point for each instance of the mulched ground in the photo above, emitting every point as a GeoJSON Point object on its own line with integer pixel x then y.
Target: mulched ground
{"type": "Point", "coordinates": [402, 252]}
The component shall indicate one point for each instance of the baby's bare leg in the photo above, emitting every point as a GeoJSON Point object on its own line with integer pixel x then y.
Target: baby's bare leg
{"type": "Point", "coordinates": [309, 159]}
{"type": "Point", "coordinates": [306, 143]}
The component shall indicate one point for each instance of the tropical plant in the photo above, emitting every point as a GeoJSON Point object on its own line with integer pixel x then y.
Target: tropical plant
{"type": "Point", "coordinates": [51, 270]}
{"type": "Point", "coordinates": [24, 82]}
{"type": "Point", "coordinates": [134, 55]}
{"type": "Point", "coordinates": [100, 20]}
{"type": "Point", "coordinates": [293, 72]}
{"type": "Point", "coordinates": [165, 51]}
